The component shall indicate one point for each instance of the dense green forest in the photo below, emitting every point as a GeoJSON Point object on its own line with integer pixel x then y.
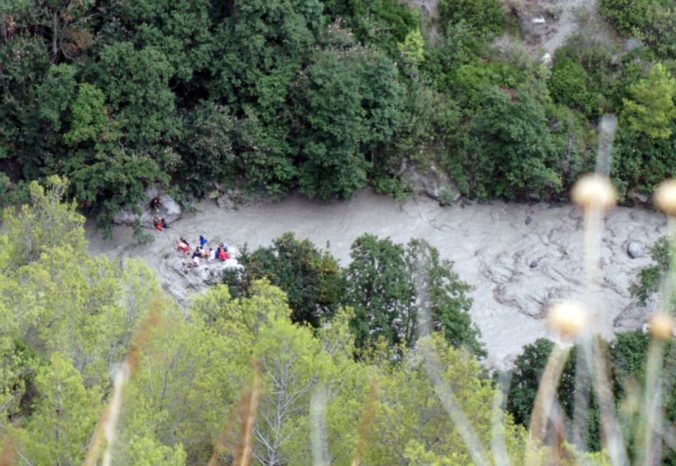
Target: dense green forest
{"type": "Point", "coordinates": [324, 96]}
{"type": "Point", "coordinates": [335, 352]}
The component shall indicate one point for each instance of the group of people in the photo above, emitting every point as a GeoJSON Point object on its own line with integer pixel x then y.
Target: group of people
{"type": "Point", "coordinates": [202, 251]}
{"type": "Point", "coordinates": [158, 222]}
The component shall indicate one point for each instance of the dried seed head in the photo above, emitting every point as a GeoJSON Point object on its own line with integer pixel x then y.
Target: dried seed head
{"type": "Point", "coordinates": [661, 326]}
{"type": "Point", "coordinates": [567, 318]}
{"type": "Point", "coordinates": [665, 197]}
{"type": "Point", "coordinates": [594, 191]}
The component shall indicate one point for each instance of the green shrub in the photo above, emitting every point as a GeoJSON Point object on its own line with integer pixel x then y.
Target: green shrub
{"type": "Point", "coordinates": [484, 16]}
{"type": "Point", "coordinates": [649, 278]}
{"type": "Point", "coordinates": [507, 150]}
{"type": "Point", "coordinates": [383, 23]}
{"type": "Point", "coordinates": [570, 85]}
{"type": "Point", "coordinates": [626, 16]}
{"type": "Point", "coordinates": [311, 278]}
{"type": "Point", "coordinates": [641, 163]}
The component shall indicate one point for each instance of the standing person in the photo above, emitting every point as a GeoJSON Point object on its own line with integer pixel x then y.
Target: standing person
{"type": "Point", "coordinates": [203, 241]}
{"type": "Point", "coordinates": [155, 204]}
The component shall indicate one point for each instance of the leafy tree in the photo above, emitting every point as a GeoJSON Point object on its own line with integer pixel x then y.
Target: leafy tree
{"type": "Point", "coordinates": [381, 290]}
{"type": "Point", "coordinates": [105, 175]}
{"type": "Point", "coordinates": [25, 60]}
{"type": "Point", "coordinates": [469, 82]}
{"type": "Point", "coordinates": [43, 225]}
{"type": "Point", "coordinates": [187, 380]}
{"type": "Point", "coordinates": [659, 31]}
{"type": "Point", "coordinates": [136, 85]}
{"type": "Point", "coordinates": [641, 163]}
{"type": "Point", "coordinates": [89, 117]}
{"type": "Point", "coordinates": [207, 152]}
{"type": "Point", "coordinates": [311, 279]}
{"type": "Point", "coordinates": [56, 92]}
{"type": "Point", "coordinates": [428, 128]}
{"type": "Point", "coordinates": [182, 30]}
{"type": "Point", "coordinates": [627, 357]}
{"type": "Point", "coordinates": [411, 424]}
{"type": "Point", "coordinates": [146, 451]}
{"type": "Point", "coordinates": [627, 16]}
{"type": "Point", "coordinates": [64, 416]}
{"type": "Point", "coordinates": [349, 103]}
{"type": "Point", "coordinates": [71, 316]}
{"type": "Point", "coordinates": [485, 16]}
{"type": "Point", "coordinates": [526, 378]}
{"type": "Point", "coordinates": [508, 151]}
{"type": "Point", "coordinates": [651, 108]}
{"type": "Point", "coordinates": [292, 363]}
{"type": "Point", "coordinates": [412, 49]}
{"type": "Point", "coordinates": [570, 85]}
{"type": "Point", "coordinates": [379, 22]}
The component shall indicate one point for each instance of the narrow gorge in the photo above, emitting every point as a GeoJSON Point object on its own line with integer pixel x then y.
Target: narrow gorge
{"type": "Point", "coordinates": [517, 257]}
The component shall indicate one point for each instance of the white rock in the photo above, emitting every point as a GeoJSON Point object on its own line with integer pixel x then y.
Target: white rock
{"type": "Point", "coordinates": [169, 209]}
{"type": "Point", "coordinates": [635, 249]}
{"type": "Point", "coordinates": [434, 183]}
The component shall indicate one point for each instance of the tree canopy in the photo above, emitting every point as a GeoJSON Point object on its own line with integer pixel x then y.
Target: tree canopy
{"type": "Point", "coordinates": [326, 97]}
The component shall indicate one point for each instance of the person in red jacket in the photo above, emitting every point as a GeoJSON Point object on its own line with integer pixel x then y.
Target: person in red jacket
{"type": "Point", "coordinates": [222, 254]}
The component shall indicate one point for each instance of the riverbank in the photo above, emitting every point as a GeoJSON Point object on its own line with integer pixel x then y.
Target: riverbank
{"type": "Point", "coordinates": [517, 257]}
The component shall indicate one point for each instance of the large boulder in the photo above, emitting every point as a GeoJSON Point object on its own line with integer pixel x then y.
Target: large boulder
{"type": "Point", "coordinates": [185, 279]}
{"type": "Point", "coordinates": [635, 249]}
{"type": "Point", "coordinates": [169, 209]}
{"type": "Point", "coordinates": [434, 183]}
{"type": "Point", "coordinates": [632, 44]}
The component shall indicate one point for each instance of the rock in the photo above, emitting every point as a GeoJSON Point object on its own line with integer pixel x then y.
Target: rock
{"type": "Point", "coordinates": [635, 249]}
{"type": "Point", "coordinates": [225, 202]}
{"type": "Point", "coordinates": [169, 209]}
{"type": "Point", "coordinates": [538, 20]}
{"type": "Point", "coordinates": [434, 183]}
{"type": "Point", "coordinates": [534, 197]}
{"type": "Point", "coordinates": [546, 59]}
{"type": "Point", "coordinates": [199, 278]}
{"type": "Point", "coordinates": [533, 264]}
{"type": "Point", "coordinates": [632, 44]}
{"type": "Point", "coordinates": [640, 198]}
{"type": "Point", "coordinates": [124, 217]}
{"type": "Point", "coordinates": [528, 220]}
{"type": "Point", "coordinates": [151, 192]}
{"type": "Point", "coordinates": [230, 199]}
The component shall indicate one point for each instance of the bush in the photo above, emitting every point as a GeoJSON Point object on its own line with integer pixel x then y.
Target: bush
{"type": "Point", "coordinates": [627, 357]}
{"type": "Point", "coordinates": [383, 23]}
{"type": "Point", "coordinates": [641, 163]}
{"type": "Point", "coordinates": [649, 278]}
{"type": "Point", "coordinates": [626, 16]}
{"type": "Point", "coordinates": [312, 279]}
{"type": "Point", "coordinates": [381, 289]}
{"type": "Point", "coordinates": [507, 150]}
{"type": "Point", "coordinates": [485, 16]}
{"type": "Point", "coordinates": [526, 375]}
{"type": "Point", "coordinates": [570, 85]}
{"type": "Point", "coordinates": [593, 56]}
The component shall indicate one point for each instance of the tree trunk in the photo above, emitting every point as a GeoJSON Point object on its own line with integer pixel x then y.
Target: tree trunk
{"type": "Point", "coordinates": [55, 35]}
{"type": "Point", "coordinates": [3, 28]}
